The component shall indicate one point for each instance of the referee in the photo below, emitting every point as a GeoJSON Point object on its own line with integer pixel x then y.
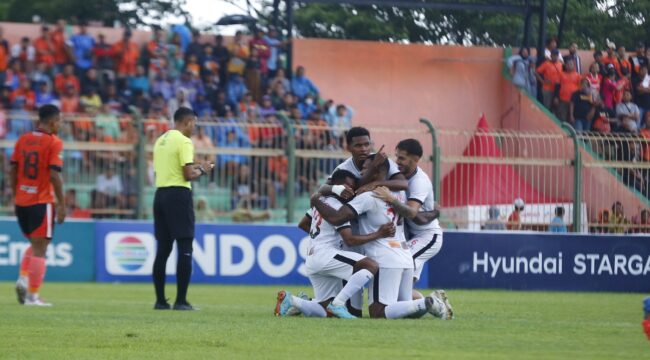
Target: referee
{"type": "Point", "coordinates": [173, 210]}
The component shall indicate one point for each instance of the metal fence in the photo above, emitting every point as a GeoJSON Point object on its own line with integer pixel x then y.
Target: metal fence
{"type": "Point", "coordinates": [600, 182]}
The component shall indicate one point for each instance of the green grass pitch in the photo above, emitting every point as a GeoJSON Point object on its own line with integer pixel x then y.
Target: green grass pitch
{"type": "Point", "coordinates": [116, 321]}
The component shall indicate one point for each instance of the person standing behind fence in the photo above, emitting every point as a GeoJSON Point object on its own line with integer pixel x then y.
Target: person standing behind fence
{"type": "Point", "coordinates": [174, 168]}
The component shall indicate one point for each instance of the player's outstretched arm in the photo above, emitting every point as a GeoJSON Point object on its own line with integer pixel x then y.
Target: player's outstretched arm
{"type": "Point", "coordinates": [57, 184]}
{"type": "Point", "coordinates": [385, 231]}
{"type": "Point", "coordinates": [334, 217]}
{"type": "Point", "coordinates": [305, 224]}
{"type": "Point", "coordinates": [410, 210]}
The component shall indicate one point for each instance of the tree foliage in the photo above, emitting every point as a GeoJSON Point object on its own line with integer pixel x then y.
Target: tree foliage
{"type": "Point", "coordinates": [588, 22]}
{"type": "Point", "coordinates": [129, 12]}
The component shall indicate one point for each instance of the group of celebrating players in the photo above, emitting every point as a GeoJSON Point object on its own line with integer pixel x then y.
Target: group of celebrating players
{"type": "Point", "coordinates": [375, 223]}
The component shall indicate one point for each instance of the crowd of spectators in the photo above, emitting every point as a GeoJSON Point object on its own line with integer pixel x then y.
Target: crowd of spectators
{"type": "Point", "coordinates": [608, 102]}
{"type": "Point", "coordinates": [241, 82]}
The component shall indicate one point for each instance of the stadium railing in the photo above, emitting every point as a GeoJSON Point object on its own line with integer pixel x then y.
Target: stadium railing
{"type": "Point", "coordinates": [482, 172]}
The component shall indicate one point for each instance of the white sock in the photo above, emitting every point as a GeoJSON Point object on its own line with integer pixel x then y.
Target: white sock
{"type": "Point", "coordinates": [309, 308]}
{"type": "Point", "coordinates": [403, 309]}
{"type": "Point", "coordinates": [356, 282]}
{"type": "Point", "coordinates": [356, 300]}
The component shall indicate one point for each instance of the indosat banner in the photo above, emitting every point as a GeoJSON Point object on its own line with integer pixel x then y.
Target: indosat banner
{"type": "Point", "coordinates": [226, 254]}
{"type": "Point", "coordinates": [542, 261]}
{"type": "Point", "coordinates": [70, 257]}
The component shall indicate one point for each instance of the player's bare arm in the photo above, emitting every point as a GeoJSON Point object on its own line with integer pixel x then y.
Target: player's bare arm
{"type": "Point", "coordinates": [409, 210]}
{"type": "Point", "coordinates": [194, 171]}
{"type": "Point", "coordinates": [305, 224]}
{"type": "Point", "coordinates": [385, 231]}
{"type": "Point", "coordinates": [327, 189]}
{"type": "Point", "coordinates": [57, 184]}
{"type": "Point", "coordinates": [334, 217]}
{"type": "Point", "coordinates": [397, 183]}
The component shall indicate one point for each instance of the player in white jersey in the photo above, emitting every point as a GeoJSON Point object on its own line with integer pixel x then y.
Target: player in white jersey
{"type": "Point", "coordinates": [424, 236]}
{"type": "Point", "coordinates": [327, 264]}
{"type": "Point", "coordinates": [391, 289]}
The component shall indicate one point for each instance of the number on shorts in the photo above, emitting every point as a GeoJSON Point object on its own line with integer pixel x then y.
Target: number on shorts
{"type": "Point", "coordinates": [30, 165]}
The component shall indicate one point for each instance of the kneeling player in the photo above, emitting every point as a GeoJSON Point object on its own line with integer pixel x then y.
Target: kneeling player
{"type": "Point", "coordinates": [328, 265]}
{"type": "Point", "coordinates": [390, 291]}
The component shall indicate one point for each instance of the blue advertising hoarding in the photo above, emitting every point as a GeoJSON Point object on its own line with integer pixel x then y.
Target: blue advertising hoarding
{"type": "Point", "coordinates": [225, 254]}
{"type": "Point", "coordinates": [539, 261]}
{"type": "Point", "coordinates": [70, 256]}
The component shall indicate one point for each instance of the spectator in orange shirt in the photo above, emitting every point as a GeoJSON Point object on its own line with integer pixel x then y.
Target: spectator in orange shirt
{"type": "Point", "coordinates": [65, 79]}
{"type": "Point", "coordinates": [621, 64]}
{"type": "Point", "coordinates": [45, 47]}
{"type": "Point", "coordinates": [23, 97]}
{"type": "Point", "coordinates": [61, 48]}
{"type": "Point", "coordinates": [126, 56]}
{"type": "Point", "coordinates": [549, 74]}
{"type": "Point", "coordinates": [611, 55]}
{"type": "Point", "coordinates": [569, 83]}
{"type": "Point", "coordinates": [70, 100]}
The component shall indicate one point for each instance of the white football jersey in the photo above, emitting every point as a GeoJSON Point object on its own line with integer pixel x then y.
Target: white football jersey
{"type": "Point", "coordinates": [349, 165]}
{"type": "Point", "coordinates": [372, 214]}
{"type": "Point", "coordinates": [421, 190]}
{"type": "Point", "coordinates": [323, 234]}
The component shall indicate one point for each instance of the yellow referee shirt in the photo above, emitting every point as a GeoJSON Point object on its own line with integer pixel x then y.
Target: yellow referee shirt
{"type": "Point", "coordinates": [171, 153]}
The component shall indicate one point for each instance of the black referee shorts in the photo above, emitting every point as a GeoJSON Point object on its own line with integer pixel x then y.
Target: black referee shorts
{"type": "Point", "coordinates": [173, 213]}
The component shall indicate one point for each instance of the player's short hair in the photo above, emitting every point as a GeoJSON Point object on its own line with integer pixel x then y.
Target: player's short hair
{"type": "Point", "coordinates": [411, 146]}
{"type": "Point", "coordinates": [383, 167]}
{"type": "Point", "coordinates": [46, 112]}
{"type": "Point", "coordinates": [340, 175]}
{"type": "Point", "coordinates": [182, 113]}
{"type": "Point", "coordinates": [354, 132]}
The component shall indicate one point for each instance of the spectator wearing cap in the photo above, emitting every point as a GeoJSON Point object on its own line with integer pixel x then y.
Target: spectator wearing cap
{"type": "Point", "coordinates": [638, 61]}
{"type": "Point", "coordinates": [569, 84]}
{"type": "Point", "coordinates": [82, 46]}
{"type": "Point", "coordinates": [549, 74]}
{"type": "Point", "coordinates": [622, 65]}
{"type": "Point", "coordinates": [575, 57]}
{"type": "Point", "coordinates": [267, 109]}
{"type": "Point", "coordinates": [301, 85]}
{"type": "Point", "coordinates": [126, 55]}
{"type": "Point", "coordinates": [65, 79]}
{"type": "Point", "coordinates": [610, 87]}
{"type": "Point", "coordinates": [23, 52]}
{"type": "Point", "coordinates": [611, 53]}
{"type": "Point", "coordinates": [45, 47]}
{"type": "Point", "coordinates": [551, 45]}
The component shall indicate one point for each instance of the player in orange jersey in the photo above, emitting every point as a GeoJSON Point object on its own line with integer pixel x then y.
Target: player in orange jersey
{"type": "Point", "coordinates": [35, 180]}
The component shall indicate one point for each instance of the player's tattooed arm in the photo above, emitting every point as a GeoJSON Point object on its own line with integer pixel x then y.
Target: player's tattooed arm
{"type": "Point", "coordinates": [305, 224]}
{"type": "Point", "coordinates": [409, 210]}
{"type": "Point", "coordinates": [334, 217]}
{"type": "Point", "coordinates": [385, 231]}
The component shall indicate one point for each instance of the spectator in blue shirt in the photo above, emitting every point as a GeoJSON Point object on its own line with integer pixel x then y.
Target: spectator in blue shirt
{"type": "Point", "coordinates": [140, 81]}
{"type": "Point", "coordinates": [307, 106]}
{"type": "Point", "coordinates": [44, 95]}
{"type": "Point", "coordinates": [557, 224]}
{"type": "Point", "coordinates": [275, 44]}
{"type": "Point", "coordinates": [83, 45]}
{"type": "Point", "coordinates": [301, 85]}
{"type": "Point", "coordinates": [236, 89]}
